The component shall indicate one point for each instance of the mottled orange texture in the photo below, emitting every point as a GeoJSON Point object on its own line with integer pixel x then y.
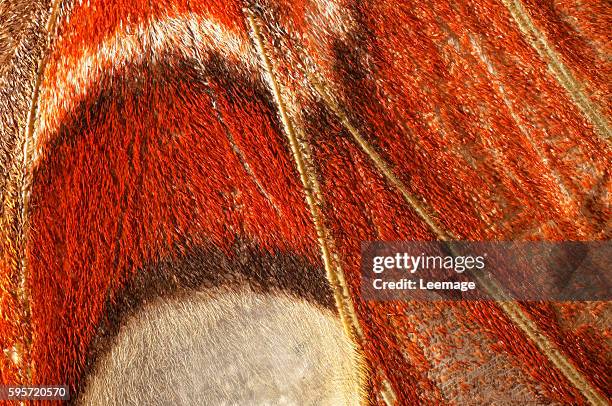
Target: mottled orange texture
{"type": "Point", "coordinates": [183, 148]}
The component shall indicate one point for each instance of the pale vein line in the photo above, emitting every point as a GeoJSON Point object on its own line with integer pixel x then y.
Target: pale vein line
{"type": "Point", "coordinates": [228, 134]}
{"type": "Point", "coordinates": [566, 197]}
{"type": "Point", "coordinates": [509, 306]}
{"type": "Point", "coordinates": [562, 74]}
{"type": "Point", "coordinates": [387, 393]}
{"type": "Point", "coordinates": [25, 183]}
{"type": "Point", "coordinates": [420, 209]}
{"type": "Point", "coordinates": [335, 274]}
{"type": "Point", "coordinates": [243, 159]}
{"type": "Point", "coordinates": [558, 358]}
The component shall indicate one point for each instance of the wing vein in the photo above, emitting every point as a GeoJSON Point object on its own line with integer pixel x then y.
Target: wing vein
{"type": "Point", "coordinates": [25, 183]}
{"type": "Point", "coordinates": [510, 307]}
{"type": "Point", "coordinates": [334, 271]}
{"type": "Point", "coordinates": [560, 72]}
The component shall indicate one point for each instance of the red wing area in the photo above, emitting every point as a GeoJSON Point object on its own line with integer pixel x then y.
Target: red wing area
{"type": "Point", "coordinates": [153, 160]}
{"type": "Point", "coordinates": [21, 47]}
{"type": "Point", "coordinates": [579, 32]}
{"type": "Point", "coordinates": [468, 116]}
{"type": "Point", "coordinates": [159, 135]}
